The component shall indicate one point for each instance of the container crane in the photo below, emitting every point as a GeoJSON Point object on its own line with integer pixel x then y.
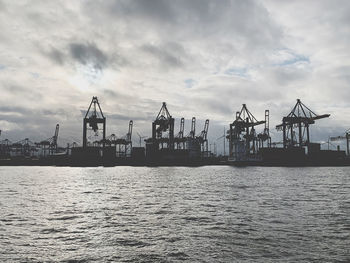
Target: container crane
{"type": "Point", "coordinates": [202, 138]}
{"type": "Point", "coordinates": [192, 133]}
{"type": "Point", "coordinates": [124, 144]}
{"type": "Point", "coordinates": [93, 117]}
{"type": "Point", "coordinates": [265, 135]}
{"type": "Point", "coordinates": [163, 123]}
{"type": "Point", "coordinates": [242, 135]}
{"type": "Point", "coordinates": [300, 118]}
{"type": "Point", "coordinates": [179, 139]}
{"type": "Point", "coordinates": [50, 144]}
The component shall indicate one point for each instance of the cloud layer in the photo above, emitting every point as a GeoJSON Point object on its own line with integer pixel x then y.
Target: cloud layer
{"type": "Point", "coordinates": [204, 58]}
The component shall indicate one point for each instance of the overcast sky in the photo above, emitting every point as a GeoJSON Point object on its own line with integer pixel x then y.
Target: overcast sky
{"type": "Point", "coordinates": [204, 58]}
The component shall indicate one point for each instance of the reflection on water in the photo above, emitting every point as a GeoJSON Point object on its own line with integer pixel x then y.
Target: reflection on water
{"type": "Point", "coordinates": [168, 214]}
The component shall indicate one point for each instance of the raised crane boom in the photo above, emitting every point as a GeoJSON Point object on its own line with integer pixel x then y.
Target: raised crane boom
{"type": "Point", "coordinates": [193, 128]}
{"type": "Point", "coordinates": [300, 118]}
{"type": "Point", "coordinates": [129, 134]}
{"type": "Point", "coordinates": [204, 132]}
{"type": "Point", "coordinates": [93, 117]}
{"type": "Point", "coordinates": [182, 128]}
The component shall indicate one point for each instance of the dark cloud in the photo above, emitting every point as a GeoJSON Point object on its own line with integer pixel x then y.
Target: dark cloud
{"type": "Point", "coordinates": [164, 55]}
{"type": "Point", "coordinates": [262, 53]}
{"type": "Point", "coordinates": [57, 56]}
{"type": "Point", "coordinates": [159, 10]}
{"type": "Point", "coordinates": [88, 54]}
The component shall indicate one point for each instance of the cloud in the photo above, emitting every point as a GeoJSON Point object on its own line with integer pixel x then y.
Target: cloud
{"type": "Point", "coordinates": [168, 55]}
{"type": "Point", "coordinates": [57, 56]}
{"type": "Point", "coordinates": [204, 58]}
{"type": "Point", "coordinates": [88, 54]}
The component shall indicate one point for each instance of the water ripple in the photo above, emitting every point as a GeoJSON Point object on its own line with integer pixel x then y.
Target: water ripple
{"type": "Point", "coordinates": [174, 214]}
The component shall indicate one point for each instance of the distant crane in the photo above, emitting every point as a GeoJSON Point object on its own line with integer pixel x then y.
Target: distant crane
{"type": "Point", "coordinates": [193, 128]}
{"type": "Point", "coordinates": [55, 138]}
{"type": "Point", "coordinates": [179, 139]}
{"type": "Point", "coordinates": [202, 137]}
{"type": "Point", "coordinates": [299, 118]}
{"type": "Point", "coordinates": [24, 147]}
{"type": "Point", "coordinates": [124, 144]}
{"type": "Point", "coordinates": [242, 135]}
{"type": "Point", "coordinates": [164, 123]}
{"type": "Point", "coordinates": [265, 135]}
{"type": "Point", "coordinates": [93, 117]}
{"type": "Point", "coordinates": [50, 144]}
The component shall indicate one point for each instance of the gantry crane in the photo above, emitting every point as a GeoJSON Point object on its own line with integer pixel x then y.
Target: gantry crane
{"type": "Point", "coordinates": [295, 125]}
{"type": "Point", "coordinates": [179, 139]}
{"type": "Point", "coordinates": [265, 135]}
{"type": "Point", "coordinates": [50, 144]}
{"type": "Point", "coordinates": [202, 138]}
{"type": "Point", "coordinates": [163, 123]}
{"type": "Point", "coordinates": [25, 148]}
{"type": "Point", "coordinates": [5, 148]}
{"type": "Point", "coordinates": [93, 117]}
{"type": "Point", "coordinates": [124, 144]}
{"type": "Point", "coordinates": [242, 135]}
{"type": "Point", "coordinates": [192, 133]}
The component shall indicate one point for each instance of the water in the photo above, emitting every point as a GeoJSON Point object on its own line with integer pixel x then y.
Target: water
{"type": "Point", "coordinates": [174, 214]}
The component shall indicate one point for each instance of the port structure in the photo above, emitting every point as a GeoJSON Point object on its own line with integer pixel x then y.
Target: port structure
{"type": "Point", "coordinates": [191, 145]}
{"type": "Point", "coordinates": [242, 136]}
{"type": "Point", "coordinates": [164, 123]}
{"type": "Point", "coordinates": [265, 135]}
{"type": "Point", "coordinates": [24, 148]}
{"type": "Point", "coordinates": [192, 133]}
{"type": "Point", "coordinates": [296, 125]}
{"type": "Point", "coordinates": [123, 145]}
{"type": "Point", "coordinates": [49, 146]}
{"type": "Point", "coordinates": [5, 148]}
{"type": "Point", "coordinates": [203, 140]}
{"type": "Point", "coordinates": [94, 116]}
{"type": "Point", "coordinates": [180, 140]}
{"type": "Point", "coordinates": [345, 137]}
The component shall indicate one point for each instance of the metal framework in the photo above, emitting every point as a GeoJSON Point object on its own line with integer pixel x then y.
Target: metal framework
{"type": "Point", "coordinates": [49, 146]}
{"type": "Point", "coordinates": [93, 117]}
{"type": "Point", "coordinates": [295, 125]}
{"type": "Point", "coordinates": [5, 148]}
{"type": "Point", "coordinates": [24, 148]}
{"type": "Point", "coordinates": [179, 139]}
{"type": "Point", "coordinates": [202, 139]}
{"type": "Point", "coordinates": [192, 133]}
{"type": "Point", "coordinates": [164, 123]}
{"type": "Point", "coordinates": [124, 145]}
{"type": "Point", "coordinates": [243, 141]}
{"type": "Point", "coordinates": [265, 135]}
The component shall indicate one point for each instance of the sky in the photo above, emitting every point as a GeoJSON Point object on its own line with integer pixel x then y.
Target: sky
{"type": "Point", "coordinates": [204, 58]}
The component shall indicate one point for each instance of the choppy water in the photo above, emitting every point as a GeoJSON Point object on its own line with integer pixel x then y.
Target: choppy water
{"type": "Point", "coordinates": [206, 214]}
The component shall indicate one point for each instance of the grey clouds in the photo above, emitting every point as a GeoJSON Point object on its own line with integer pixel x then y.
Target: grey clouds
{"type": "Point", "coordinates": [205, 58]}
